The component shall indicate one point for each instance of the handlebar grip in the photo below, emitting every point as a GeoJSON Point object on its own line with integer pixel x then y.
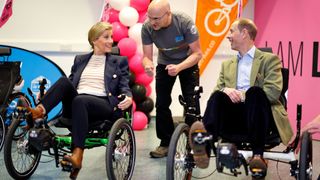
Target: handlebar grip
{"type": "Point", "coordinates": [299, 111]}
{"type": "Point", "coordinates": [121, 97]}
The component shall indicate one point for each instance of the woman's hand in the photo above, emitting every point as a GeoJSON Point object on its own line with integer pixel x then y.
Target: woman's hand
{"type": "Point", "coordinates": [125, 103]}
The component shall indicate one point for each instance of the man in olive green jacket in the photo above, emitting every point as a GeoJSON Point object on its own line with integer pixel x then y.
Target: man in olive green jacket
{"type": "Point", "coordinates": [245, 103]}
{"type": "Point", "coordinates": [265, 73]}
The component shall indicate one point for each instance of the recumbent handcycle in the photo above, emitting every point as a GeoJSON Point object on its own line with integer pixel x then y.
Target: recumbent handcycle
{"type": "Point", "coordinates": [234, 154]}
{"type": "Point", "coordinates": [22, 151]}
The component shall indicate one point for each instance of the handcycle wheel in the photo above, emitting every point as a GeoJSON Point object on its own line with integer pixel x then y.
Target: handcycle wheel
{"type": "Point", "coordinates": [2, 132]}
{"type": "Point", "coordinates": [5, 117]}
{"type": "Point", "coordinates": [121, 151]}
{"type": "Point", "coordinates": [17, 99]}
{"type": "Point", "coordinates": [305, 159]}
{"type": "Point", "coordinates": [20, 158]}
{"type": "Point", "coordinates": [179, 160]}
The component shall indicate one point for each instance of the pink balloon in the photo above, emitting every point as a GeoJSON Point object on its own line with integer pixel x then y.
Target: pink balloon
{"type": "Point", "coordinates": [113, 15]}
{"type": "Point", "coordinates": [119, 31]}
{"type": "Point", "coordinates": [143, 79]}
{"type": "Point", "coordinates": [139, 5]}
{"type": "Point", "coordinates": [142, 16]}
{"type": "Point", "coordinates": [135, 64]}
{"type": "Point", "coordinates": [140, 120]}
{"type": "Point", "coordinates": [149, 90]}
{"type": "Point", "coordinates": [127, 47]}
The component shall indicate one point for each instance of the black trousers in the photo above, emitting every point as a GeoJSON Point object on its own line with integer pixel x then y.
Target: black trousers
{"type": "Point", "coordinates": [189, 78]}
{"type": "Point", "coordinates": [81, 108]}
{"type": "Point", "coordinates": [247, 122]}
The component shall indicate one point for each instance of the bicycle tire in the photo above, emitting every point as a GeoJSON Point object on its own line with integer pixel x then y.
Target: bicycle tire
{"type": "Point", "coordinates": [3, 126]}
{"type": "Point", "coordinates": [305, 159]}
{"type": "Point", "coordinates": [26, 155]}
{"type": "Point", "coordinates": [121, 151]}
{"type": "Point", "coordinates": [179, 166]}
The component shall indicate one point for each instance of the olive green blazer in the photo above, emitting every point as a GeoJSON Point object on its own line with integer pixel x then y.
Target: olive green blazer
{"type": "Point", "coordinates": [265, 73]}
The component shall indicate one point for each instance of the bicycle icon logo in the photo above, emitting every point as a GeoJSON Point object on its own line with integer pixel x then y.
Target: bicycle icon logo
{"type": "Point", "coordinates": [217, 21]}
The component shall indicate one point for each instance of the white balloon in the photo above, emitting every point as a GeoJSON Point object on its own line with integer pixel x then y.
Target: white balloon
{"type": "Point", "coordinates": [128, 16]}
{"type": "Point", "coordinates": [119, 4]}
{"type": "Point", "coordinates": [135, 32]}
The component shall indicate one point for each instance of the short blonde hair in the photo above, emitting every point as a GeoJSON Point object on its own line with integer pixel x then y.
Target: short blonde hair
{"type": "Point", "coordinates": [96, 31]}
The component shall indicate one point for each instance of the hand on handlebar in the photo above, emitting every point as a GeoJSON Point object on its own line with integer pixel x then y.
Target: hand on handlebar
{"type": "Point", "coordinates": [125, 101]}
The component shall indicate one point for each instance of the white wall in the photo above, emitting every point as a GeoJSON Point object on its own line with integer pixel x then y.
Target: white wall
{"type": "Point", "coordinates": [58, 30]}
{"type": "Point", "coordinates": [46, 25]}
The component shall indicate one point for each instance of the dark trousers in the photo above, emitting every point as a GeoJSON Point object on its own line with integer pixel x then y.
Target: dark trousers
{"type": "Point", "coordinates": [189, 78]}
{"type": "Point", "coordinates": [248, 121]}
{"type": "Point", "coordinates": [80, 108]}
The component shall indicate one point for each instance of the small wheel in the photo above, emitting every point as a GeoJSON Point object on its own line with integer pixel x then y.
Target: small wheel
{"type": "Point", "coordinates": [305, 159]}
{"type": "Point", "coordinates": [179, 161]}
{"type": "Point", "coordinates": [21, 160]}
{"type": "Point", "coordinates": [2, 132]}
{"type": "Point", "coordinates": [121, 151]}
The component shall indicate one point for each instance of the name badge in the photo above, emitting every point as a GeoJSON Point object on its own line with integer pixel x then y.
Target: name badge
{"type": "Point", "coordinates": [179, 38]}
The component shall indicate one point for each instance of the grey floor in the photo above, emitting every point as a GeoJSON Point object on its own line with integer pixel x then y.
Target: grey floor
{"type": "Point", "coordinates": [147, 168]}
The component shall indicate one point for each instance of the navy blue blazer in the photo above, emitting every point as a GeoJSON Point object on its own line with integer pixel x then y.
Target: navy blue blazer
{"type": "Point", "coordinates": [116, 75]}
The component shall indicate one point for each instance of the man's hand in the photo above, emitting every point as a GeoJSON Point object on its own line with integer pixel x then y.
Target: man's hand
{"type": "Point", "coordinates": [236, 96]}
{"type": "Point", "coordinates": [148, 67]}
{"type": "Point", "coordinates": [173, 69]}
{"type": "Point", "coordinates": [312, 127]}
{"type": "Point", "coordinates": [125, 103]}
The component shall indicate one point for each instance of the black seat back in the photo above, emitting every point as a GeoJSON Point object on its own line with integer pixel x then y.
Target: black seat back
{"type": "Point", "coordinates": [9, 73]}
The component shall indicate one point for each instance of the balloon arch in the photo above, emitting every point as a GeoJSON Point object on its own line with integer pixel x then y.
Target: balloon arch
{"type": "Point", "coordinates": [126, 17]}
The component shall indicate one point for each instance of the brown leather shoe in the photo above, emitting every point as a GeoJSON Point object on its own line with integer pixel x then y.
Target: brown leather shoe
{"type": "Point", "coordinates": [75, 160]}
{"type": "Point", "coordinates": [159, 152]}
{"type": "Point", "coordinates": [258, 167]}
{"type": "Point", "coordinates": [200, 154]}
{"type": "Point", "coordinates": [37, 113]}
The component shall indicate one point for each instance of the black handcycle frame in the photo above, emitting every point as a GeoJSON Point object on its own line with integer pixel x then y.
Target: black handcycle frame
{"type": "Point", "coordinates": [180, 162]}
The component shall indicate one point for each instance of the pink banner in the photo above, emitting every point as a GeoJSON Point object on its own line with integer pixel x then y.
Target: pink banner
{"type": "Point", "coordinates": [105, 11]}
{"type": "Point", "coordinates": [6, 12]}
{"type": "Point", "coordinates": [292, 30]}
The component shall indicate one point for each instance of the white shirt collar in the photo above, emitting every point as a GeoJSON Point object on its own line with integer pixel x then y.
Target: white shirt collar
{"type": "Point", "coordinates": [251, 52]}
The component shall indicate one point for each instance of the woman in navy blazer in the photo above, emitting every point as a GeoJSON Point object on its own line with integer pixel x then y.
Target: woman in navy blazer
{"type": "Point", "coordinates": [91, 92]}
